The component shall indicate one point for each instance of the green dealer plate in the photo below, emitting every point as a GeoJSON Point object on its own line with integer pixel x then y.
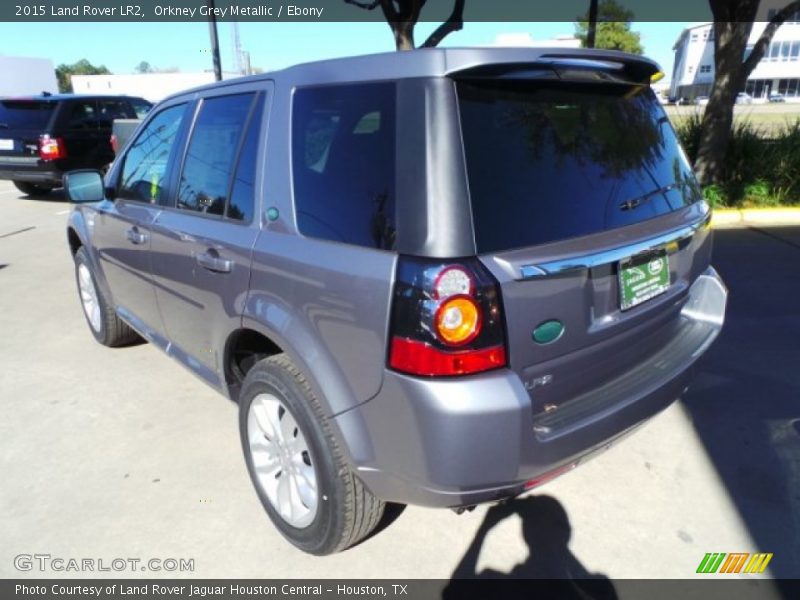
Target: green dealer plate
{"type": "Point", "coordinates": [642, 278]}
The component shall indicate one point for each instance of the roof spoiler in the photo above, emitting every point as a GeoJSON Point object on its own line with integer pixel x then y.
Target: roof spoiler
{"type": "Point", "coordinates": [566, 64]}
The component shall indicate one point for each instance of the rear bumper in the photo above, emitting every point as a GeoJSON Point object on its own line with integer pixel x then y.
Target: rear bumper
{"type": "Point", "coordinates": [31, 170]}
{"type": "Point", "coordinates": [456, 442]}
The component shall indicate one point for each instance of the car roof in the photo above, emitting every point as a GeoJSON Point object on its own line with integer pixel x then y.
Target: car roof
{"type": "Point", "coordinates": [59, 97]}
{"type": "Point", "coordinates": [439, 62]}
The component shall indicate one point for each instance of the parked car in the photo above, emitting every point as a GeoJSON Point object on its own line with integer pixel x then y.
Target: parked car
{"type": "Point", "coordinates": [440, 277]}
{"type": "Point", "coordinates": [43, 137]}
{"type": "Point", "coordinates": [777, 98]}
{"type": "Point", "coordinates": [701, 100]}
{"type": "Point", "coordinates": [744, 98]}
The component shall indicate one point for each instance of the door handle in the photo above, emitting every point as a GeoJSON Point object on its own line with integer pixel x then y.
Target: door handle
{"type": "Point", "coordinates": [210, 260]}
{"type": "Point", "coordinates": [135, 236]}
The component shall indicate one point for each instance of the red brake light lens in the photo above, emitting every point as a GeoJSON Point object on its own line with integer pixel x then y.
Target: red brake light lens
{"type": "Point", "coordinates": [51, 148]}
{"type": "Point", "coordinates": [419, 358]}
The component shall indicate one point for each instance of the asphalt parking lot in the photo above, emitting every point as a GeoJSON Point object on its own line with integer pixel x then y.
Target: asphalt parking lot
{"type": "Point", "coordinates": [121, 453]}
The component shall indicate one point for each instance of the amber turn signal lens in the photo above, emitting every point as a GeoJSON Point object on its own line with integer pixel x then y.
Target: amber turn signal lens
{"type": "Point", "coordinates": [458, 320]}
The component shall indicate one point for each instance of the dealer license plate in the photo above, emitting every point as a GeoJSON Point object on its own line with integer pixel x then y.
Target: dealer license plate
{"type": "Point", "coordinates": [6, 144]}
{"type": "Point", "coordinates": [642, 278]}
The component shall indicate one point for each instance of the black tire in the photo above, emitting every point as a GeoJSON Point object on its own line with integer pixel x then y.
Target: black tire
{"type": "Point", "coordinates": [346, 510]}
{"type": "Point", "coordinates": [109, 330]}
{"type": "Point", "coordinates": [32, 189]}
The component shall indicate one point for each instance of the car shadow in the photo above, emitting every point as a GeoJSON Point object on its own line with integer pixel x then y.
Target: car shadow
{"type": "Point", "coordinates": [546, 530]}
{"type": "Point", "coordinates": [56, 195]}
{"type": "Point", "coordinates": [745, 400]}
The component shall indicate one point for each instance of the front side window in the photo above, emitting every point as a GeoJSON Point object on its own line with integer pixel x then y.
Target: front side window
{"type": "Point", "coordinates": [145, 166]}
{"type": "Point", "coordinates": [212, 152]}
{"type": "Point", "coordinates": [549, 161]}
{"type": "Point", "coordinates": [343, 163]}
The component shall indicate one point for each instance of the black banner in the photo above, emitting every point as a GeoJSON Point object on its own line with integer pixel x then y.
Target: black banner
{"type": "Point", "coordinates": [711, 588]}
{"type": "Point", "coordinates": [331, 10]}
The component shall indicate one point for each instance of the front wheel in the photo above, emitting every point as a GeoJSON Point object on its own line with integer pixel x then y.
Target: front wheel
{"type": "Point", "coordinates": [105, 325]}
{"type": "Point", "coordinates": [296, 465]}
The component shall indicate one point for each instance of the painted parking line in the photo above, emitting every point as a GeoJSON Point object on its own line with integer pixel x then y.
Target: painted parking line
{"type": "Point", "coordinates": [63, 212]}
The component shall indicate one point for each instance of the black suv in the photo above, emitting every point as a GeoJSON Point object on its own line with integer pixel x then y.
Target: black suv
{"type": "Point", "coordinates": [43, 137]}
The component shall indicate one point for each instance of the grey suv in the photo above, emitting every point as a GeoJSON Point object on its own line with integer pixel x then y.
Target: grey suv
{"type": "Point", "coordinates": [438, 277]}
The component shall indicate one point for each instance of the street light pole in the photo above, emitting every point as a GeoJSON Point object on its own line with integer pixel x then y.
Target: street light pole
{"type": "Point", "coordinates": [591, 33]}
{"type": "Point", "coordinates": [212, 32]}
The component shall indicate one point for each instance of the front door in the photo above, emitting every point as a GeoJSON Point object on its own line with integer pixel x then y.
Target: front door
{"type": "Point", "coordinates": [121, 230]}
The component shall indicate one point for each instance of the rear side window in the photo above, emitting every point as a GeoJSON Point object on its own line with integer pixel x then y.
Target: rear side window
{"type": "Point", "coordinates": [549, 161]}
{"type": "Point", "coordinates": [241, 204]}
{"type": "Point", "coordinates": [343, 163]}
{"type": "Point", "coordinates": [144, 171]}
{"type": "Point", "coordinates": [212, 153]}
{"type": "Point", "coordinates": [25, 114]}
{"type": "Point", "coordinates": [82, 115]}
{"type": "Point", "coordinates": [108, 110]}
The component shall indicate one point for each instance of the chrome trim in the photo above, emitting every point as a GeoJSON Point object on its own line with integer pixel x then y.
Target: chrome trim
{"type": "Point", "coordinates": [670, 242]}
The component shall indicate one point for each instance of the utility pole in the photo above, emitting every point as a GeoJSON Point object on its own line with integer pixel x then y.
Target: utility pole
{"type": "Point", "coordinates": [212, 31]}
{"type": "Point", "coordinates": [591, 33]}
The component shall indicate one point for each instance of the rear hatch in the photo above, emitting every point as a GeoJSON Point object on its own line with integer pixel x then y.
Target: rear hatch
{"type": "Point", "coordinates": [586, 211]}
{"type": "Point", "coordinates": [22, 121]}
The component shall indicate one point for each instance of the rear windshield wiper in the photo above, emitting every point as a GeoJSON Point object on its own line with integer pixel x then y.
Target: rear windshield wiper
{"type": "Point", "coordinates": [639, 200]}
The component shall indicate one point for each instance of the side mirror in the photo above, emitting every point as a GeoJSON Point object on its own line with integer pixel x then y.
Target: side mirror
{"type": "Point", "coordinates": [84, 186]}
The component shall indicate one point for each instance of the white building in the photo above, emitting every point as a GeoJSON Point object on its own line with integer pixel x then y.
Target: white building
{"type": "Point", "coordinates": [526, 40]}
{"type": "Point", "coordinates": [151, 86]}
{"type": "Point", "coordinates": [23, 76]}
{"type": "Point", "coordinates": [778, 71]}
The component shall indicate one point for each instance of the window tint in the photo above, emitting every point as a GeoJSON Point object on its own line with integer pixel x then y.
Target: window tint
{"type": "Point", "coordinates": [140, 107]}
{"type": "Point", "coordinates": [241, 203]}
{"type": "Point", "coordinates": [212, 151]}
{"type": "Point", "coordinates": [343, 163]}
{"type": "Point", "coordinates": [82, 115]}
{"type": "Point", "coordinates": [108, 110]}
{"type": "Point", "coordinates": [25, 114]}
{"type": "Point", "coordinates": [145, 165]}
{"type": "Point", "coordinates": [549, 161]}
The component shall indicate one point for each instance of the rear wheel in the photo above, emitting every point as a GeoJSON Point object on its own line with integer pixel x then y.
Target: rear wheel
{"type": "Point", "coordinates": [297, 467]}
{"type": "Point", "coordinates": [32, 189]}
{"type": "Point", "coordinates": [105, 325]}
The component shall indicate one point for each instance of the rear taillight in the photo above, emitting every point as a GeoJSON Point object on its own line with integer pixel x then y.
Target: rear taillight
{"type": "Point", "coordinates": [51, 148]}
{"type": "Point", "coordinates": [446, 319]}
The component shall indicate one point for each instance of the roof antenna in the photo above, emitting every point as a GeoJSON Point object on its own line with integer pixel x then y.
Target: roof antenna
{"type": "Point", "coordinates": [45, 93]}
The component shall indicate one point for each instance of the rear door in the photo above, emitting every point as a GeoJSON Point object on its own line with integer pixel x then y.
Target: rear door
{"type": "Point", "coordinates": [202, 242]}
{"type": "Point", "coordinates": [569, 181]}
{"type": "Point", "coordinates": [78, 124]}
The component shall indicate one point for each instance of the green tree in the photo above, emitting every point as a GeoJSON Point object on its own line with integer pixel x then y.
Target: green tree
{"type": "Point", "coordinates": [402, 16]}
{"type": "Point", "coordinates": [733, 23]}
{"type": "Point", "coordinates": [613, 28]}
{"type": "Point", "coordinates": [144, 67]}
{"type": "Point", "coordinates": [82, 67]}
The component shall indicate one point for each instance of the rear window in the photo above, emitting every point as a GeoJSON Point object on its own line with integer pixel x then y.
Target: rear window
{"type": "Point", "coordinates": [343, 156]}
{"type": "Point", "coordinates": [25, 114]}
{"type": "Point", "coordinates": [548, 161]}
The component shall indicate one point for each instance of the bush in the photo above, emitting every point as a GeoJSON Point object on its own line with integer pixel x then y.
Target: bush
{"type": "Point", "coordinates": [758, 171]}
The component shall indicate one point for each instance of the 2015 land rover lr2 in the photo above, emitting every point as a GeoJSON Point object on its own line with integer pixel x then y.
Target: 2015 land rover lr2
{"type": "Point", "coordinates": [437, 277]}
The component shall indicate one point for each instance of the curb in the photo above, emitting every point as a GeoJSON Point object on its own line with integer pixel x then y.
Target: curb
{"type": "Point", "coordinates": [755, 216]}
